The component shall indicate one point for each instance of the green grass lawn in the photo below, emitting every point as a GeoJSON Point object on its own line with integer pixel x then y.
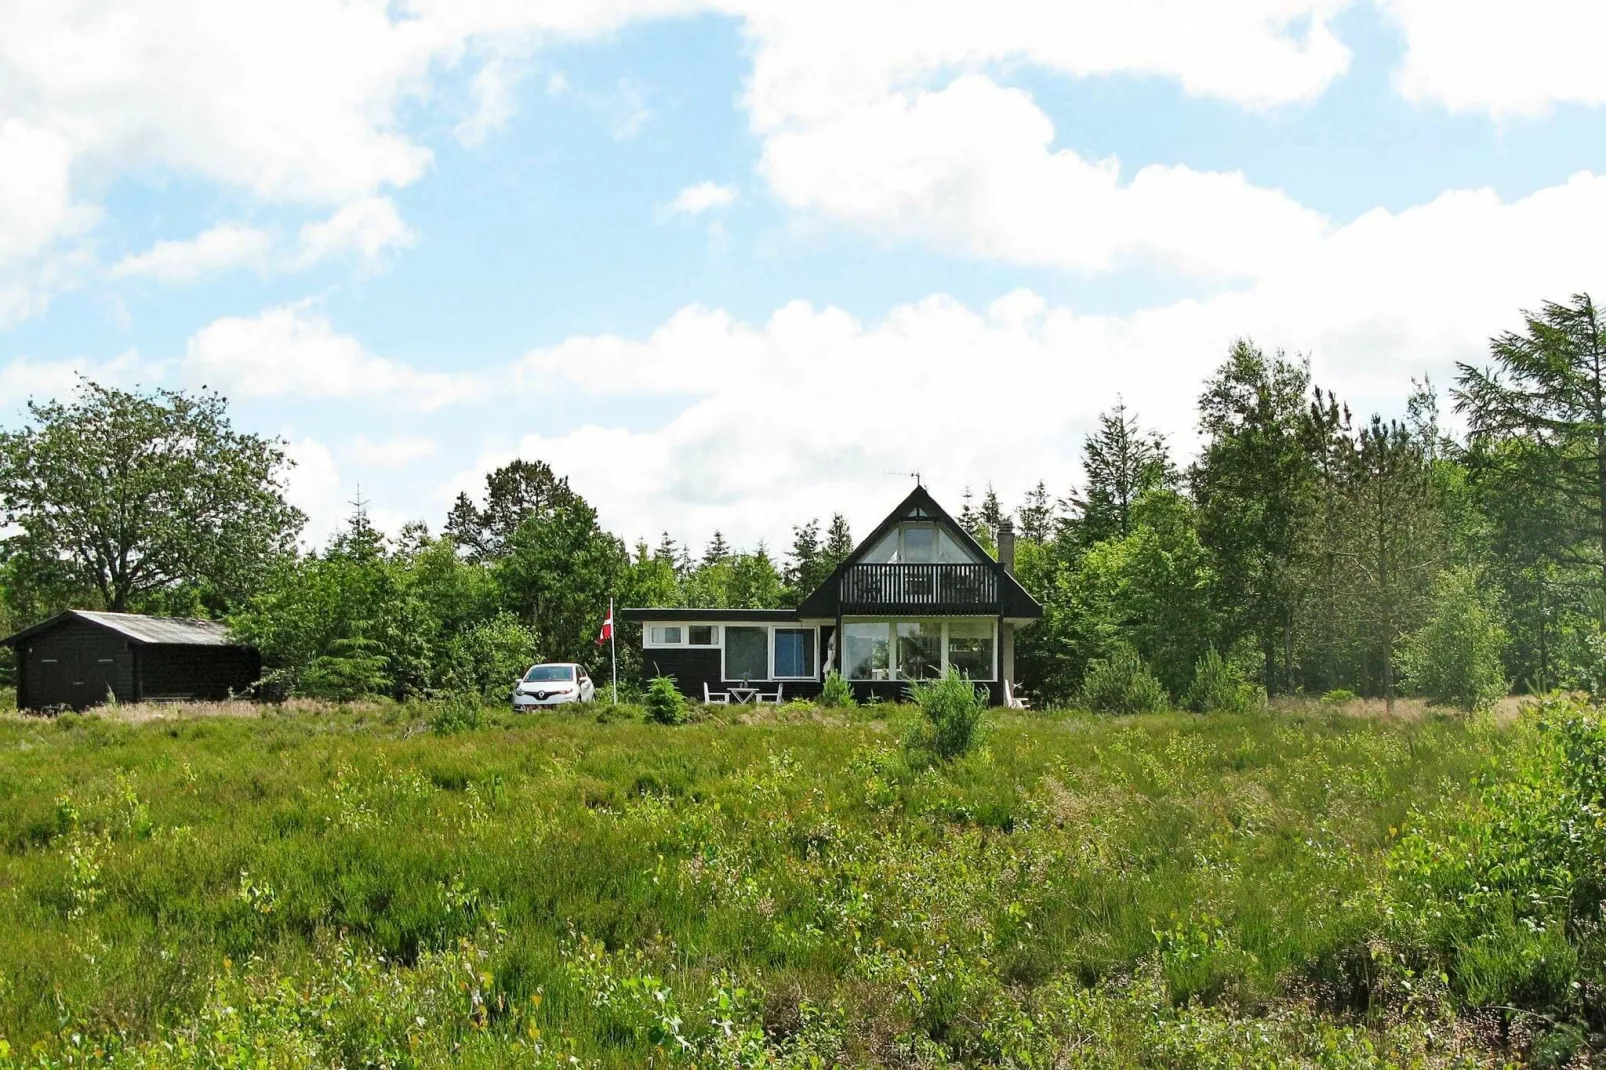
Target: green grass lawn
{"type": "Point", "coordinates": [353, 888]}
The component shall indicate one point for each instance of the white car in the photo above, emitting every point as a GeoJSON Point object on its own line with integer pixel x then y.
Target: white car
{"type": "Point", "coordinates": [552, 685]}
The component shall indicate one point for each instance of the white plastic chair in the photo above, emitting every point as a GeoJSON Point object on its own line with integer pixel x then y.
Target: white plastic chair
{"type": "Point", "coordinates": [773, 699]}
{"type": "Point", "coordinates": [713, 698]}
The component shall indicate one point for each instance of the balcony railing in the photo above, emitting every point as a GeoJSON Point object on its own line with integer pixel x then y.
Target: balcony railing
{"type": "Point", "coordinates": [920, 589]}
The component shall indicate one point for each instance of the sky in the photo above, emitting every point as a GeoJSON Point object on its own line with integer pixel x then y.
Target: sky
{"type": "Point", "coordinates": [732, 264]}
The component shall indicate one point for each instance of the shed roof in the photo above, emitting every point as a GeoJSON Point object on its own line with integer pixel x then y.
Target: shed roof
{"type": "Point", "coordinates": [173, 631]}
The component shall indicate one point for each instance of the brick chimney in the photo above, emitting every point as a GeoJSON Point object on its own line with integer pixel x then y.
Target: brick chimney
{"type": "Point", "coordinates": [1006, 545]}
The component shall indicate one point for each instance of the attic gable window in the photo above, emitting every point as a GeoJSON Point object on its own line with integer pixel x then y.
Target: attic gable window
{"type": "Point", "coordinates": [918, 543]}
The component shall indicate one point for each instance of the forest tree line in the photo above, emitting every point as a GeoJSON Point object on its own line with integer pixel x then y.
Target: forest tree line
{"type": "Point", "coordinates": [1305, 548]}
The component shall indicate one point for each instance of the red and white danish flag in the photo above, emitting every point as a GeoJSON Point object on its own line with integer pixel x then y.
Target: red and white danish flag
{"type": "Point", "coordinates": [607, 627]}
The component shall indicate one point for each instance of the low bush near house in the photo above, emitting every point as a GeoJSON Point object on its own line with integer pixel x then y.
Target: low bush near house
{"type": "Point", "coordinates": [664, 702]}
{"type": "Point", "coordinates": [952, 710]}
{"type": "Point", "coordinates": [1121, 683]}
{"type": "Point", "coordinates": [836, 692]}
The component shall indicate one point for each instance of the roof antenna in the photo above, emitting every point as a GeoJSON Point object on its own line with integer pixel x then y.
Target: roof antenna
{"type": "Point", "coordinates": [908, 475]}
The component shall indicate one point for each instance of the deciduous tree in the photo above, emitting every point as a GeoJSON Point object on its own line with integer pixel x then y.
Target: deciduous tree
{"type": "Point", "coordinates": [134, 495]}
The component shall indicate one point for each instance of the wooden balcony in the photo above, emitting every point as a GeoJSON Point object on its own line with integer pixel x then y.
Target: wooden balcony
{"type": "Point", "coordinates": [919, 589]}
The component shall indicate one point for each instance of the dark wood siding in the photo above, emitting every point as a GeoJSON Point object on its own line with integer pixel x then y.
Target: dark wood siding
{"type": "Point", "coordinates": [692, 667]}
{"type": "Point", "coordinates": [76, 665]}
{"type": "Point", "coordinates": [197, 672]}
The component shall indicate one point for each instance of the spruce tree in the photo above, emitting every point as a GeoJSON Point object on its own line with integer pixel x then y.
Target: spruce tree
{"type": "Point", "coordinates": [838, 542]}
{"type": "Point", "coordinates": [718, 549]}
{"type": "Point", "coordinates": [1036, 514]}
{"type": "Point", "coordinates": [1122, 462]}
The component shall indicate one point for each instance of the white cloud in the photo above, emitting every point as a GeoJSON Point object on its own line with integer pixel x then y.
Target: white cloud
{"type": "Point", "coordinates": [26, 378]}
{"type": "Point", "coordinates": [971, 167]}
{"type": "Point", "coordinates": [396, 452]}
{"type": "Point", "coordinates": [819, 61]}
{"type": "Point", "coordinates": [800, 415]}
{"type": "Point", "coordinates": [289, 351]}
{"type": "Point", "coordinates": [1503, 58]}
{"type": "Point", "coordinates": [302, 101]}
{"type": "Point", "coordinates": [314, 487]}
{"type": "Point", "coordinates": [367, 227]}
{"type": "Point", "coordinates": [702, 197]}
{"type": "Point", "coordinates": [221, 248]}
{"type": "Point", "coordinates": [494, 106]}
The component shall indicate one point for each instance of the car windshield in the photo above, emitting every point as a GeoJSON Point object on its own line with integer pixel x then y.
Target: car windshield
{"type": "Point", "coordinates": [550, 674]}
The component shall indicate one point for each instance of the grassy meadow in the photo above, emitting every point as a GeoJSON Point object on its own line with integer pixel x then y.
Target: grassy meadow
{"type": "Point", "coordinates": [354, 887]}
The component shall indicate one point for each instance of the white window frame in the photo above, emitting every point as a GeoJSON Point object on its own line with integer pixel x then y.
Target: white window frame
{"type": "Point", "coordinates": [720, 629]}
{"type": "Point", "coordinates": [940, 532]}
{"type": "Point", "coordinates": [647, 642]}
{"type": "Point", "coordinates": [892, 653]}
{"type": "Point", "coordinates": [814, 660]}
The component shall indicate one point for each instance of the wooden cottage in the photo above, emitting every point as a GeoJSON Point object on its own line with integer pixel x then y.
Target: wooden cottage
{"type": "Point", "coordinates": [917, 596]}
{"type": "Point", "coordinates": [81, 658]}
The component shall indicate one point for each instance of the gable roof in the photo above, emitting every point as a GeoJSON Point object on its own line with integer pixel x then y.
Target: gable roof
{"type": "Point", "coordinates": [1014, 601]}
{"type": "Point", "coordinates": [137, 628]}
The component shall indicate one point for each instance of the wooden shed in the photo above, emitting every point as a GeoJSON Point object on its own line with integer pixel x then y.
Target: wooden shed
{"type": "Point", "coordinates": [80, 658]}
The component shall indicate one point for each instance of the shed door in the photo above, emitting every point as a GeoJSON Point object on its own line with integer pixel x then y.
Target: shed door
{"type": "Point", "coordinates": [95, 679]}
{"type": "Point", "coordinates": [47, 682]}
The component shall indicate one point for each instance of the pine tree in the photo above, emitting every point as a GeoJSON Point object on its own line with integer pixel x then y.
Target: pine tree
{"type": "Point", "coordinates": [718, 549]}
{"type": "Point", "coordinates": [838, 542]}
{"type": "Point", "coordinates": [992, 511]}
{"type": "Point", "coordinates": [1550, 390]}
{"type": "Point", "coordinates": [1122, 462]}
{"type": "Point", "coordinates": [1036, 514]}
{"type": "Point", "coordinates": [803, 572]}
{"type": "Point", "coordinates": [969, 518]}
{"type": "Point", "coordinates": [1391, 537]}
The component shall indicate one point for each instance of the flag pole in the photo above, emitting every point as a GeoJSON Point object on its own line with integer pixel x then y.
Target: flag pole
{"type": "Point", "coordinates": [613, 650]}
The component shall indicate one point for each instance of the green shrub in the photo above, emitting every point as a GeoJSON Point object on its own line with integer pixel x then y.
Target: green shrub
{"type": "Point", "coordinates": [1121, 683]}
{"type": "Point", "coordinates": [953, 709]}
{"type": "Point", "coordinates": [353, 668]}
{"type": "Point", "coordinates": [1454, 658]}
{"type": "Point", "coordinates": [1338, 696]}
{"type": "Point", "coordinates": [665, 704]}
{"type": "Point", "coordinates": [1219, 687]}
{"type": "Point", "coordinates": [837, 692]}
{"type": "Point", "coordinates": [1503, 896]}
{"type": "Point", "coordinates": [459, 711]}
{"type": "Point", "coordinates": [489, 655]}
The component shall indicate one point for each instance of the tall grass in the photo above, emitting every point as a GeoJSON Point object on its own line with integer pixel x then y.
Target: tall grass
{"type": "Point", "coordinates": [353, 888]}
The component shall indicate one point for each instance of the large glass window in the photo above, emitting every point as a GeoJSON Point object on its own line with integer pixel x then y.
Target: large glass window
{"type": "Point", "coordinates": [747, 654]}
{"type": "Point", "coordinates": [866, 649]}
{"type": "Point", "coordinates": [970, 648]}
{"type": "Point", "coordinates": [794, 652]}
{"type": "Point", "coordinates": [919, 650]}
{"type": "Point", "coordinates": [917, 544]}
